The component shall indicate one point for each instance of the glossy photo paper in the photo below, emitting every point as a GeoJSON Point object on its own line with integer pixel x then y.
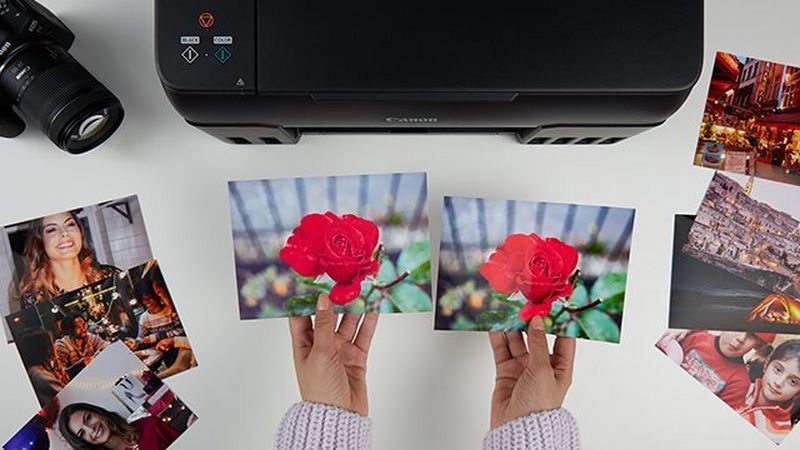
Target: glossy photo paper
{"type": "Point", "coordinates": [45, 257]}
{"type": "Point", "coordinates": [704, 296]}
{"type": "Point", "coordinates": [751, 123]}
{"type": "Point", "coordinates": [363, 240]}
{"type": "Point", "coordinates": [116, 399]}
{"type": "Point", "coordinates": [59, 338]}
{"type": "Point", "coordinates": [757, 375]}
{"type": "Point", "coordinates": [502, 262]}
{"type": "Point", "coordinates": [755, 236]}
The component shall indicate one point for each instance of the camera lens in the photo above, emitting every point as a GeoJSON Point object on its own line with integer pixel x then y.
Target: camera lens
{"type": "Point", "coordinates": [71, 107]}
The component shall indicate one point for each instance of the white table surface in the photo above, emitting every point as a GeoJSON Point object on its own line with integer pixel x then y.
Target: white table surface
{"type": "Point", "coordinates": [428, 390]}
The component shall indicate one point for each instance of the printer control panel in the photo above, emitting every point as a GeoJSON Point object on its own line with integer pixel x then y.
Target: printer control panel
{"type": "Point", "coordinates": [206, 45]}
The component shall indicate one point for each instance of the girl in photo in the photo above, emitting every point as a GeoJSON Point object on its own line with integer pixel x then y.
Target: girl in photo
{"type": "Point", "coordinates": [58, 259]}
{"type": "Point", "coordinates": [91, 427]}
{"type": "Point", "coordinates": [773, 401]}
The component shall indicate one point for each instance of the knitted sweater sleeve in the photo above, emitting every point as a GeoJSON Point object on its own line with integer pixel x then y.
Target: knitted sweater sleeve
{"type": "Point", "coordinates": [312, 426]}
{"type": "Point", "coordinates": [547, 430]}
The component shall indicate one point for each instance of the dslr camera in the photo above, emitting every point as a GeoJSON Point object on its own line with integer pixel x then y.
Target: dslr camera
{"type": "Point", "coordinates": [41, 80]}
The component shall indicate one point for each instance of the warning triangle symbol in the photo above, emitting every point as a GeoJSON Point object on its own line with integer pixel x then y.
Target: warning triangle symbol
{"type": "Point", "coordinates": [240, 83]}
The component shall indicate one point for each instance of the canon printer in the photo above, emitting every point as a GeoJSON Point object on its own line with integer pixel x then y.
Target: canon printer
{"type": "Point", "coordinates": [549, 72]}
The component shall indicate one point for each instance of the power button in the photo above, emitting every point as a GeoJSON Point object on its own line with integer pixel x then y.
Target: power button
{"type": "Point", "coordinates": [206, 20]}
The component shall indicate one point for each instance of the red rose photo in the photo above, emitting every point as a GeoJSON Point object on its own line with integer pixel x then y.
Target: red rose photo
{"type": "Point", "coordinates": [363, 240]}
{"type": "Point", "coordinates": [502, 263]}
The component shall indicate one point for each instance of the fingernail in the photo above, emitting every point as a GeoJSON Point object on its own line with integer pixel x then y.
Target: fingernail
{"type": "Point", "coordinates": [537, 323]}
{"type": "Point", "coordinates": [323, 304]}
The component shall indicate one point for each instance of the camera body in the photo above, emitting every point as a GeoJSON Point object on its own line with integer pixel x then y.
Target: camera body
{"type": "Point", "coordinates": [41, 80]}
{"type": "Point", "coordinates": [576, 72]}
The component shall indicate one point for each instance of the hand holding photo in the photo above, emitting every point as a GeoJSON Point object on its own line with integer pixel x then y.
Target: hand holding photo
{"type": "Point", "coordinates": [361, 240]}
{"type": "Point", "coordinates": [755, 374]}
{"type": "Point", "coordinates": [115, 403]}
{"type": "Point", "coordinates": [501, 265]}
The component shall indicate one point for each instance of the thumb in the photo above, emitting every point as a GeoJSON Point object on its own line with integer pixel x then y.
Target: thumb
{"type": "Point", "coordinates": [537, 344]}
{"type": "Point", "coordinates": [325, 322]}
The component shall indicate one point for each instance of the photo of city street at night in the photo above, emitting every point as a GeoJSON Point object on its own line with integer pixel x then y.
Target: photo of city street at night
{"type": "Point", "coordinates": [751, 124]}
{"type": "Point", "coordinates": [755, 236]}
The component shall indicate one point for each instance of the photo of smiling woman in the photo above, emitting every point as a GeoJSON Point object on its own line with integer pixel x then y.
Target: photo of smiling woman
{"type": "Point", "coordinates": [58, 259]}
{"type": "Point", "coordinates": [773, 401]}
{"type": "Point", "coordinates": [45, 257]}
{"type": "Point", "coordinates": [90, 427]}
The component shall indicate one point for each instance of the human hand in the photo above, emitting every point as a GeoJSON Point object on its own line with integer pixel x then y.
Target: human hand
{"type": "Point", "coordinates": [671, 335]}
{"type": "Point", "coordinates": [331, 364]}
{"type": "Point", "coordinates": [131, 343]}
{"type": "Point", "coordinates": [165, 345]}
{"type": "Point", "coordinates": [529, 379]}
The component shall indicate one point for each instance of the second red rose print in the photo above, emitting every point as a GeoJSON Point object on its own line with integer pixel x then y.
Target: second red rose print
{"type": "Point", "coordinates": [504, 262]}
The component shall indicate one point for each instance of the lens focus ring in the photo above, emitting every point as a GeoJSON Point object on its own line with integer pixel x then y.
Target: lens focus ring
{"type": "Point", "coordinates": [50, 91]}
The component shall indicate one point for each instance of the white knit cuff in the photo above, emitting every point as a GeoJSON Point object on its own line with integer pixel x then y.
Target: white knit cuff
{"type": "Point", "coordinates": [548, 430]}
{"type": "Point", "coordinates": [312, 426]}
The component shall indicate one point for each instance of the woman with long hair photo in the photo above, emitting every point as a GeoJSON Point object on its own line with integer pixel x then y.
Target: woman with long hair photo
{"type": "Point", "coordinates": [89, 427]}
{"type": "Point", "coordinates": [58, 259]}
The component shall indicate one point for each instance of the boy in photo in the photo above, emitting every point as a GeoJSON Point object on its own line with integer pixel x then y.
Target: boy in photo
{"type": "Point", "coordinates": [716, 360]}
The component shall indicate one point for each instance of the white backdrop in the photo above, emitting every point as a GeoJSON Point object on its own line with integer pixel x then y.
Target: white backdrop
{"type": "Point", "coordinates": [428, 390]}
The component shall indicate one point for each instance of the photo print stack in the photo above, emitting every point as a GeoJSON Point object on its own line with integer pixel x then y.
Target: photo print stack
{"type": "Point", "coordinates": [734, 322]}
{"type": "Point", "coordinates": [96, 328]}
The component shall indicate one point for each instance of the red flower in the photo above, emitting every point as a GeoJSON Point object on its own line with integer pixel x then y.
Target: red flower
{"type": "Point", "coordinates": [342, 247]}
{"type": "Point", "coordinates": [538, 268]}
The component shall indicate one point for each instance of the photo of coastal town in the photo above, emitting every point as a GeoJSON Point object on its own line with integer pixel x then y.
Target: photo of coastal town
{"type": "Point", "coordinates": [755, 236]}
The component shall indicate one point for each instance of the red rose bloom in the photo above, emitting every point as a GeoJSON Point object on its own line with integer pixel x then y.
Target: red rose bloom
{"type": "Point", "coordinates": [342, 247]}
{"type": "Point", "coordinates": [538, 268]}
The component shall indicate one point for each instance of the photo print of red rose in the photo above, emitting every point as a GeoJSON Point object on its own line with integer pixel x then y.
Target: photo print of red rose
{"type": "Point", "coordinates": [362, 239]}
{"type": "Point", "coordinates": [503, 262]}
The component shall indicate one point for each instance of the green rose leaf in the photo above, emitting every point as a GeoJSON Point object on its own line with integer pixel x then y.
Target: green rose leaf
{"type": "Point", "coordinates": [357, 306]}
{"type": "Point", "coordinates": [572, 330]}
{"type": "Point", "coordinates": [415, 259]}
{"type": "Point", "coordinates": [580, 296]}
{"type": "Point", "coordinates": [609, 285]}
{"type": "Point", "coordinates": [599, 326]}
{"type": "Point", "coordinates": [491, 320]}
{"type": "Point", "coordinates": [386, 307]}
{"type": "Point", "coordinates": [408, 297]}
{"type": "Point", "coordinates": [386, 273]}
{"type": "Point", "coordinates": [301, 306]}
{"type": "Point", "coordinates": [512, 323]}
{"type": "Point", "coordinates": [614, 305]}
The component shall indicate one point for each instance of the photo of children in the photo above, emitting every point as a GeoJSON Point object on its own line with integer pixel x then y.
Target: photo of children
{"type": "Point", "coordinates": [756, 374]}
{"type": "Point", "coordinates": [751, 122]}
{"type": "Point", "coordinates": [59, 338]}
{"type": "Point", "coordinates": [363, 240]}
{"type": "Point", "coordinates": [502, 262]}
{"type": "Point", "coordinates": [704, 296]}
{"type": "Point", "coordinates": [48, 256]}
{"type": "Point", "coordinates": [754, 235]}
{"type": "Point", "coordinates": [115, 403]}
